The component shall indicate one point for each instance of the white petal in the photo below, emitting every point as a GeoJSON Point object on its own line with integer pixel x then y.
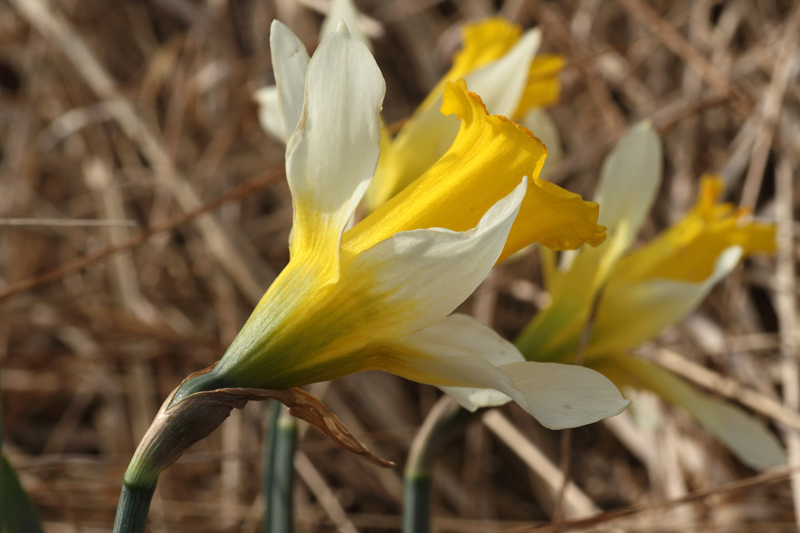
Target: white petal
{"type": "Point", "coordinates": [332, 155]}
{"type": "Point", "coordinates": [542, 125]}
{"type": "Point", "coordinates": [344, 11]}
{"type": "Point", "coordinates": [418, 277]}
{"type": "Point", "coordinates": [269, 112]}
{"type": "Point", "coordinates": [468, 334]}
{"type": "Point", "coordinates": [290, 62]}
{"type": "Point", "coordinates": [629, 315]}
{"type": "Point", "coordinates": [501, 83]}
{"type": "Point", "coordinates": [562, 396]}
{"type": "Point", "coordinates": [629, 181]}
{"type": "Point", "coordinates": [462, 351]}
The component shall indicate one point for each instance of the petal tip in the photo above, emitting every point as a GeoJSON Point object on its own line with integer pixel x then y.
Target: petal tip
{"type": "Point", "coordinates": [342, 28]}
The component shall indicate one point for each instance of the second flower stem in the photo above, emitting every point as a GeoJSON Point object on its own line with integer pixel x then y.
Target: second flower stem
{"type": "Point", "coordinates": [281, 442]}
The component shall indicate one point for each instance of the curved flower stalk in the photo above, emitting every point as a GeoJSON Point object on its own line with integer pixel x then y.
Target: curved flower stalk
{"type": "Point", "coordinates": [636, 294]}
{"type": "Point", "coordinates": [378, 296]}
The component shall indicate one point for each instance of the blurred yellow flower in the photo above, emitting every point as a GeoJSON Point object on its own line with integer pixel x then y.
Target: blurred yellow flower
{"type": "Point", "coordinates": [498, 62]}
{"type": "Point", "coordinates": [639, 293]}
{"type": "Point", "coordinates": [380, 295]}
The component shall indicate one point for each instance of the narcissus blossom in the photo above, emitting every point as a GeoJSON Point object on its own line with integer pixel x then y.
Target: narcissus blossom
{"type": "Point", "coordinates": [641, 292]}
{"type": "Point", "coordinates": [380, 295]}
{"type": "Point", "coordinates": [499, 63]}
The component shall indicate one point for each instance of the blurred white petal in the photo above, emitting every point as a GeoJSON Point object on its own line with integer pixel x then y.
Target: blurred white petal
{"type": "Point", "coordinates": [269, 113]}
{"type": "Point", "coordinates": [290, 63]}
{"type": "Point", "coordinates": [629, 181]}
{"type": "Point", "coordinates": [542, 126]}
{"type": "Point", "coordinates": [461, 351]}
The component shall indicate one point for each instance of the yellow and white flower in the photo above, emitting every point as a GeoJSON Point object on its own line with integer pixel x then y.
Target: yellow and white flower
{"type": "Point", "coordinates": [639, 293]}
{"type": "Point", "coordinates": [379, 296]}
{"type": "Point", "coordinates": [500, 63]}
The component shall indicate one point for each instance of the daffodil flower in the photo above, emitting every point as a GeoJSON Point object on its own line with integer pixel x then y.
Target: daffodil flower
{"type": "Point", "coordinates": [641, 292]}
{"type": "Point", "coordinates": [498, 62]}
{"type": "Point", "coordinates": [379, 296]}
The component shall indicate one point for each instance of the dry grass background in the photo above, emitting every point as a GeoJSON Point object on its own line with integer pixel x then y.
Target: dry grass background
{"type": "Point", "coordinates": [135, 114]}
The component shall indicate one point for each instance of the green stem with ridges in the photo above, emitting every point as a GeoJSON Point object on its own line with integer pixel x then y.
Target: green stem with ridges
{"type": "Point", "coordinates": [134, 504]}
{"type": "Point", "coordinates": [416, 503]}
{"type": "Point", "coordinates": [281, 442]}
{"type": "Point", "coordinates": [445, 418]}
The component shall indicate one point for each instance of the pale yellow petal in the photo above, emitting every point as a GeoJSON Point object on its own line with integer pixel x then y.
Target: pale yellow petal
{"type": "Point", "coordinates": [554, 333]}
{"type": "Point", "coordinates": [388, 174]}
{"type": "Point", "coordinates": [631, 313]}
{"type": "Point", "coordinates": [629, 180]}
{"type": "Point", "coordinates": [417, 277]}
{"type": "Point", "coordinates": [311, 327]}
{"type": "Point", "coordinates": [745, 435]}
{"type": "Point", "coordinates": [501, 84]}
{"type": "Point", "coordinates": [544, 128]}
{"type": "Point", "coordinates": [418, 145]}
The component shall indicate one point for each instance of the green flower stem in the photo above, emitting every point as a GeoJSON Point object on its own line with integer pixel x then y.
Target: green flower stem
{"type": "Point", "coordinates": [279, 470]}
{"type": "Point", "coordinates": [138, 487]}
{"type": "Point", "coordinates": [134, 504]}
{"type": "Point", "coordinates": [416, 503]}
{"type": "Point", "coordinates": [17, 512]}
{"type": "Point", "coordinates": [445, 418]}
{"type": "Point", "coordinates": [175, 428]}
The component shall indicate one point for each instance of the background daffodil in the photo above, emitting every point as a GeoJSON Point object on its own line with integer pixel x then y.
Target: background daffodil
{"type": "Point", "coordinates": [499, 63]}
{"type": "Point", "coordinates": [630, 296]}
{"type": "Point", "coordinates": [378, 296]}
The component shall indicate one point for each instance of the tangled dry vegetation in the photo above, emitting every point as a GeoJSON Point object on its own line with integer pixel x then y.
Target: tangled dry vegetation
{"type": "Point", "coordinates": [136, 117]}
